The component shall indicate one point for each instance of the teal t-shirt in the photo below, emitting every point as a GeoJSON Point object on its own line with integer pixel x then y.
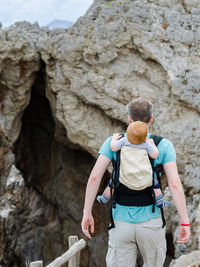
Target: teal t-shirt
{"type": "Point", "coordinates": [133, 214]}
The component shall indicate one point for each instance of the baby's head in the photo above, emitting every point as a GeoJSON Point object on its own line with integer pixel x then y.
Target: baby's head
{"type": "Point", "coordinates": [137, 132]}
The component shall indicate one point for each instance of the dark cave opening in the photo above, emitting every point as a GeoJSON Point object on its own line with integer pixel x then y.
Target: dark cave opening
{"type": "Point", "coordinates": [39, 156]}
{"type": "Point", "coordinates": [55, 175]}
{"type": "Point", "coordinates": [34, 145]}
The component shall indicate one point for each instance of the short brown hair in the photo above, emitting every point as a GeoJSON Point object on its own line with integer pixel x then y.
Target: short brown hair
{"type": "Point", "coordinates": [137, 132]}
{"type": "Point", "coordinates": [140, 109]}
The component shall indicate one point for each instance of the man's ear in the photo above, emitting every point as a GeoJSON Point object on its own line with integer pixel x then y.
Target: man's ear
{"type": "Point", "coordinates": [151, 119]}
{"type": "Point", "coordinates": [129, 119]}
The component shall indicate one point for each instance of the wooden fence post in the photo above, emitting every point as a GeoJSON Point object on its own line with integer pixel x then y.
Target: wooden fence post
{"type": "Point", "coordinates": [76, 247]}
{"type": "Point", "coordinates": [36, 264]}
{"type": "Point", "coordinates": [75, 260]}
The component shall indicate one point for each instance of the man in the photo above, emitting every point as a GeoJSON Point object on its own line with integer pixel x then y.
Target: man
{"type": "Point", "coordinates": [137, 226]}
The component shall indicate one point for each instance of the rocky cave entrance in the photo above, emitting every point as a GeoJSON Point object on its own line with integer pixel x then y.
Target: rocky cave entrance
{"type": "Point", "coordinates": [34, 147]}
{"type": "Point", "coordinates": [55, 175]}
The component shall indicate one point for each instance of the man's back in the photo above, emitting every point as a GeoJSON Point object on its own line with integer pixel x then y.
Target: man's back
{"type": "Point", "coordinates": [135, 214]}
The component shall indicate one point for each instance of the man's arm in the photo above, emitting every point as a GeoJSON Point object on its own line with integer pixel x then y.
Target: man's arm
{"type": "Point", "coordinates": [178, 196]}
{"type": "Point", "coordinates": [94, 181]}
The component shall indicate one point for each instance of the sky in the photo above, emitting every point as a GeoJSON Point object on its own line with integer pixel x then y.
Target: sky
{"type": "Point", "coordinates": [42, 11]}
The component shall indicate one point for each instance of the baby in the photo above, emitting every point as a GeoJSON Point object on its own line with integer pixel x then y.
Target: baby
{"type": "Point", "coordinates": [136, 138]}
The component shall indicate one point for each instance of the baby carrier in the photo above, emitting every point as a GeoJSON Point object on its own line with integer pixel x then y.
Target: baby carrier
{"type": "Point", "coordinates": [125, 196]}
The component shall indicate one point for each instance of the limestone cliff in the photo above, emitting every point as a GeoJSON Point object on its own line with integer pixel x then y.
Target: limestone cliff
{"type": "Point", "coordinates": [63, 92]}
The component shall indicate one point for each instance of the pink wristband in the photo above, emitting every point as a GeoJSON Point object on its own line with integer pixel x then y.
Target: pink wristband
{"type": "Point", "coordinates": [185, 224]}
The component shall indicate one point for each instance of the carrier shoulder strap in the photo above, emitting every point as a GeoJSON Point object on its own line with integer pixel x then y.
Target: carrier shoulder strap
{"type": "Point", "coordinates": [116, 169]}
{"type": "Point", "coordinates": [156, 138]}
{"type": "Point", "coordinates": [157, 170]}
{"type": "Point", "coordinates": [114, 185]}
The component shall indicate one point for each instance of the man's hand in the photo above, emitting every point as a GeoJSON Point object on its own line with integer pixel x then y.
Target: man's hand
{"type": "Point", "coordinates": [184, 234]}
{"type": "Point", "coordinates": [87, 225]}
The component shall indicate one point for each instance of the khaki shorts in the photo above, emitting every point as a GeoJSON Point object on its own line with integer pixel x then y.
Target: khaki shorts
{"type": "Point", "coordinates": [126, 238]}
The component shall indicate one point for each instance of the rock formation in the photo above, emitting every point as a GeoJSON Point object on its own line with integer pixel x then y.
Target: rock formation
{"type": "Point", "coordinates": [185, 260]}
{"type": "Point", "coordinates": [63, 92]}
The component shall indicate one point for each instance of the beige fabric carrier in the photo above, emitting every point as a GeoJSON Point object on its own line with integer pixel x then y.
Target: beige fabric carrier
{"type": "Point", "coordinates": [135, 168]}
